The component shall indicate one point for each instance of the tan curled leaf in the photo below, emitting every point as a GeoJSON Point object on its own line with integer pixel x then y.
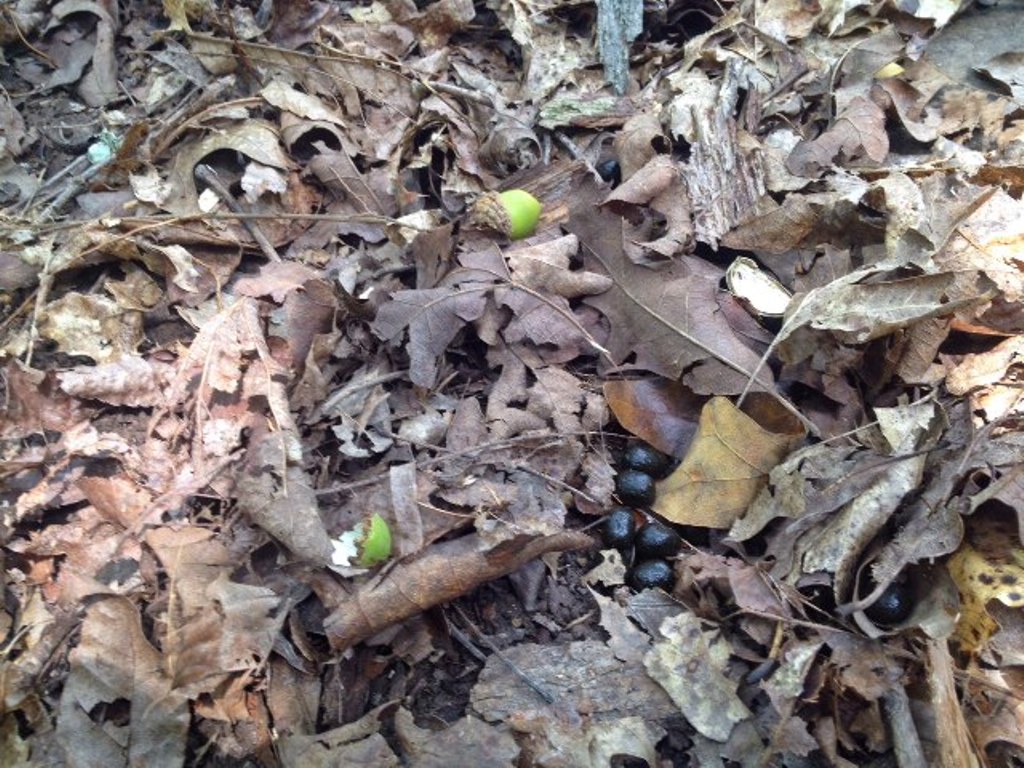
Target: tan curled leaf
{"type": "Point", "coordinates": [859, 312]}
{"type": "Point", "coordinates": [285, 97]}
{"type": "Point", "coordinates": [278, 497]}
{"type": "Point", "coordinates": [257, 140]}
{"type": "Point", "coordinates": [357, 744]}
{"type": "Point", "coordinates": [132, 381]}
{"type": "Point", "coordinates": [727, 464]}
{"type": "Point", "coordinates": [441, 573]}
{"type": "Point", "coordinates": [659, 187]}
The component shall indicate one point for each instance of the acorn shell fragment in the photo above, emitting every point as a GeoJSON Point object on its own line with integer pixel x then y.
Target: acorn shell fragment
{"type": "Point", "coordinates": [760, 293]}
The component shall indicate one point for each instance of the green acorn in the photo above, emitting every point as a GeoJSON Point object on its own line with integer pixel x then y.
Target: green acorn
{"type": "Point", "coordinates": [367, 544]}
{"type": "Point", "coordinates": [514, 213]}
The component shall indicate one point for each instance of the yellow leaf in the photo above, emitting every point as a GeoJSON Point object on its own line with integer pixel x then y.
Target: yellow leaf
{"type": "Point", "coordinates": [987, 568]}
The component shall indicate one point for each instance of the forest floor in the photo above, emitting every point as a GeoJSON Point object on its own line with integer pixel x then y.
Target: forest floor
{"type": "Point", "coordinates": [308, 435]}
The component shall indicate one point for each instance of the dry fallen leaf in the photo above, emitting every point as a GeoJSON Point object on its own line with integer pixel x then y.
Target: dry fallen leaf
{"type": "Point", "coordinates": [584, 674]}
{"type": "Point", "coordinates": [490, 745]}
{"type": "Point", "coordinates": [545, 266]}
{"type": "Point", "coordinates": [858, 308]}
{"type": "Point", "coordinates": [857, 134]}
{"type": "Point", "coordinates": [656, 189]}
{"type": "Point", "coordinates": [727, 464]}
{"type": "Point", "coordinates": [114, 662]}
{"type": "Point", "coordinates": [660, 412]}
{"type": "Point", "coordinates": [691, 658]}
{"type": "Point", "coordinates": [988, 566]}
{"type": "Point", "coordinates": [277, 496]}
{"type": "Point", "coordinates": [664, 319]}
{"type": "Point", "coordinates": [358, 744]}
{"type": "Point", "coordinates": [131, 380]}
{"type": "Point", "coordinates": [94, 326]}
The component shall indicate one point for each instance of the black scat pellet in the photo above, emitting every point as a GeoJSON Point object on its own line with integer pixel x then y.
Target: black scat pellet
{"type": "Point", "coordinates": [656, 540]}
{"type": "Point", "coordinates": [893, 606]}
{"type": "Point", "coordinates": [635, 488]}
{"type": "Point", "coordinates": [610, 171]}
{"type": "Point", "coordinates": [649, 574]}
{"type": "Point", "coordinates": [619, 528]}
{"type": "Point", "coordinates": [647, 458]}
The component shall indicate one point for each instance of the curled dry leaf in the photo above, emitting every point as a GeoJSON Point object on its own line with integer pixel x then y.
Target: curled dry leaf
{"type": "Point", "coordinates": [277, 496]}
{"type": "Point", "coordinates": [545, 266]}
{"type": "Point", "coordinates": [657, 187]}
{"type": "Point", "coordinates": [837, 544]}
{"type": "Point", "coordinates": [638, 142]}
{"type": "Point", "coordinates": [34, 403]}
{"type": "Point", "coordinates": [99, 85]}
{"type": "Point", "coordinates": [510, 146]}
{"type": "Point", "coordinates": [353, 744]}
{"type": "Point", "coordinates": [859, 307]}
{"type": "Point", "coordinates": [133, 381]}
{"type": "Point", "coordinates": [280, 94]}
{"type": "Point", "coordinates": [988, 379]}
{"type": "Point", "coordinates": [255, 139]}
{"type": "Point", "coordinates": [218, 627]}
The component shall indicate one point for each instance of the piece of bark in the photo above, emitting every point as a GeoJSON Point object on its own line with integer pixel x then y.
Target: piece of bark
{"type": "Point", "coordinates": [441, 573]}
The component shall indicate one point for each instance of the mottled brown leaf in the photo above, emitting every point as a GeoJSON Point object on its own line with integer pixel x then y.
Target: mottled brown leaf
{"type": "Point", "coordinates": [664, 319]}
{"type": "Point", "coordinates": [858, 134]}
{"type": "Point", "coordinates": [434, 318]}
{"type": "Point", "coordinates": [114, 664]}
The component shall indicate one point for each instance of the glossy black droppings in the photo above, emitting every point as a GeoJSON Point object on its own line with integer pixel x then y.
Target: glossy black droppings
{"type": "Point", "coordinates": [650, 574]}
{"type": "Point", "coordinates": [657, 540]}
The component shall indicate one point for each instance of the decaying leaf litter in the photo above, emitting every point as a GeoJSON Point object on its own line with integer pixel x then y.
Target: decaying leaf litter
{"type": "Point", "coordinates": [246, 305]}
